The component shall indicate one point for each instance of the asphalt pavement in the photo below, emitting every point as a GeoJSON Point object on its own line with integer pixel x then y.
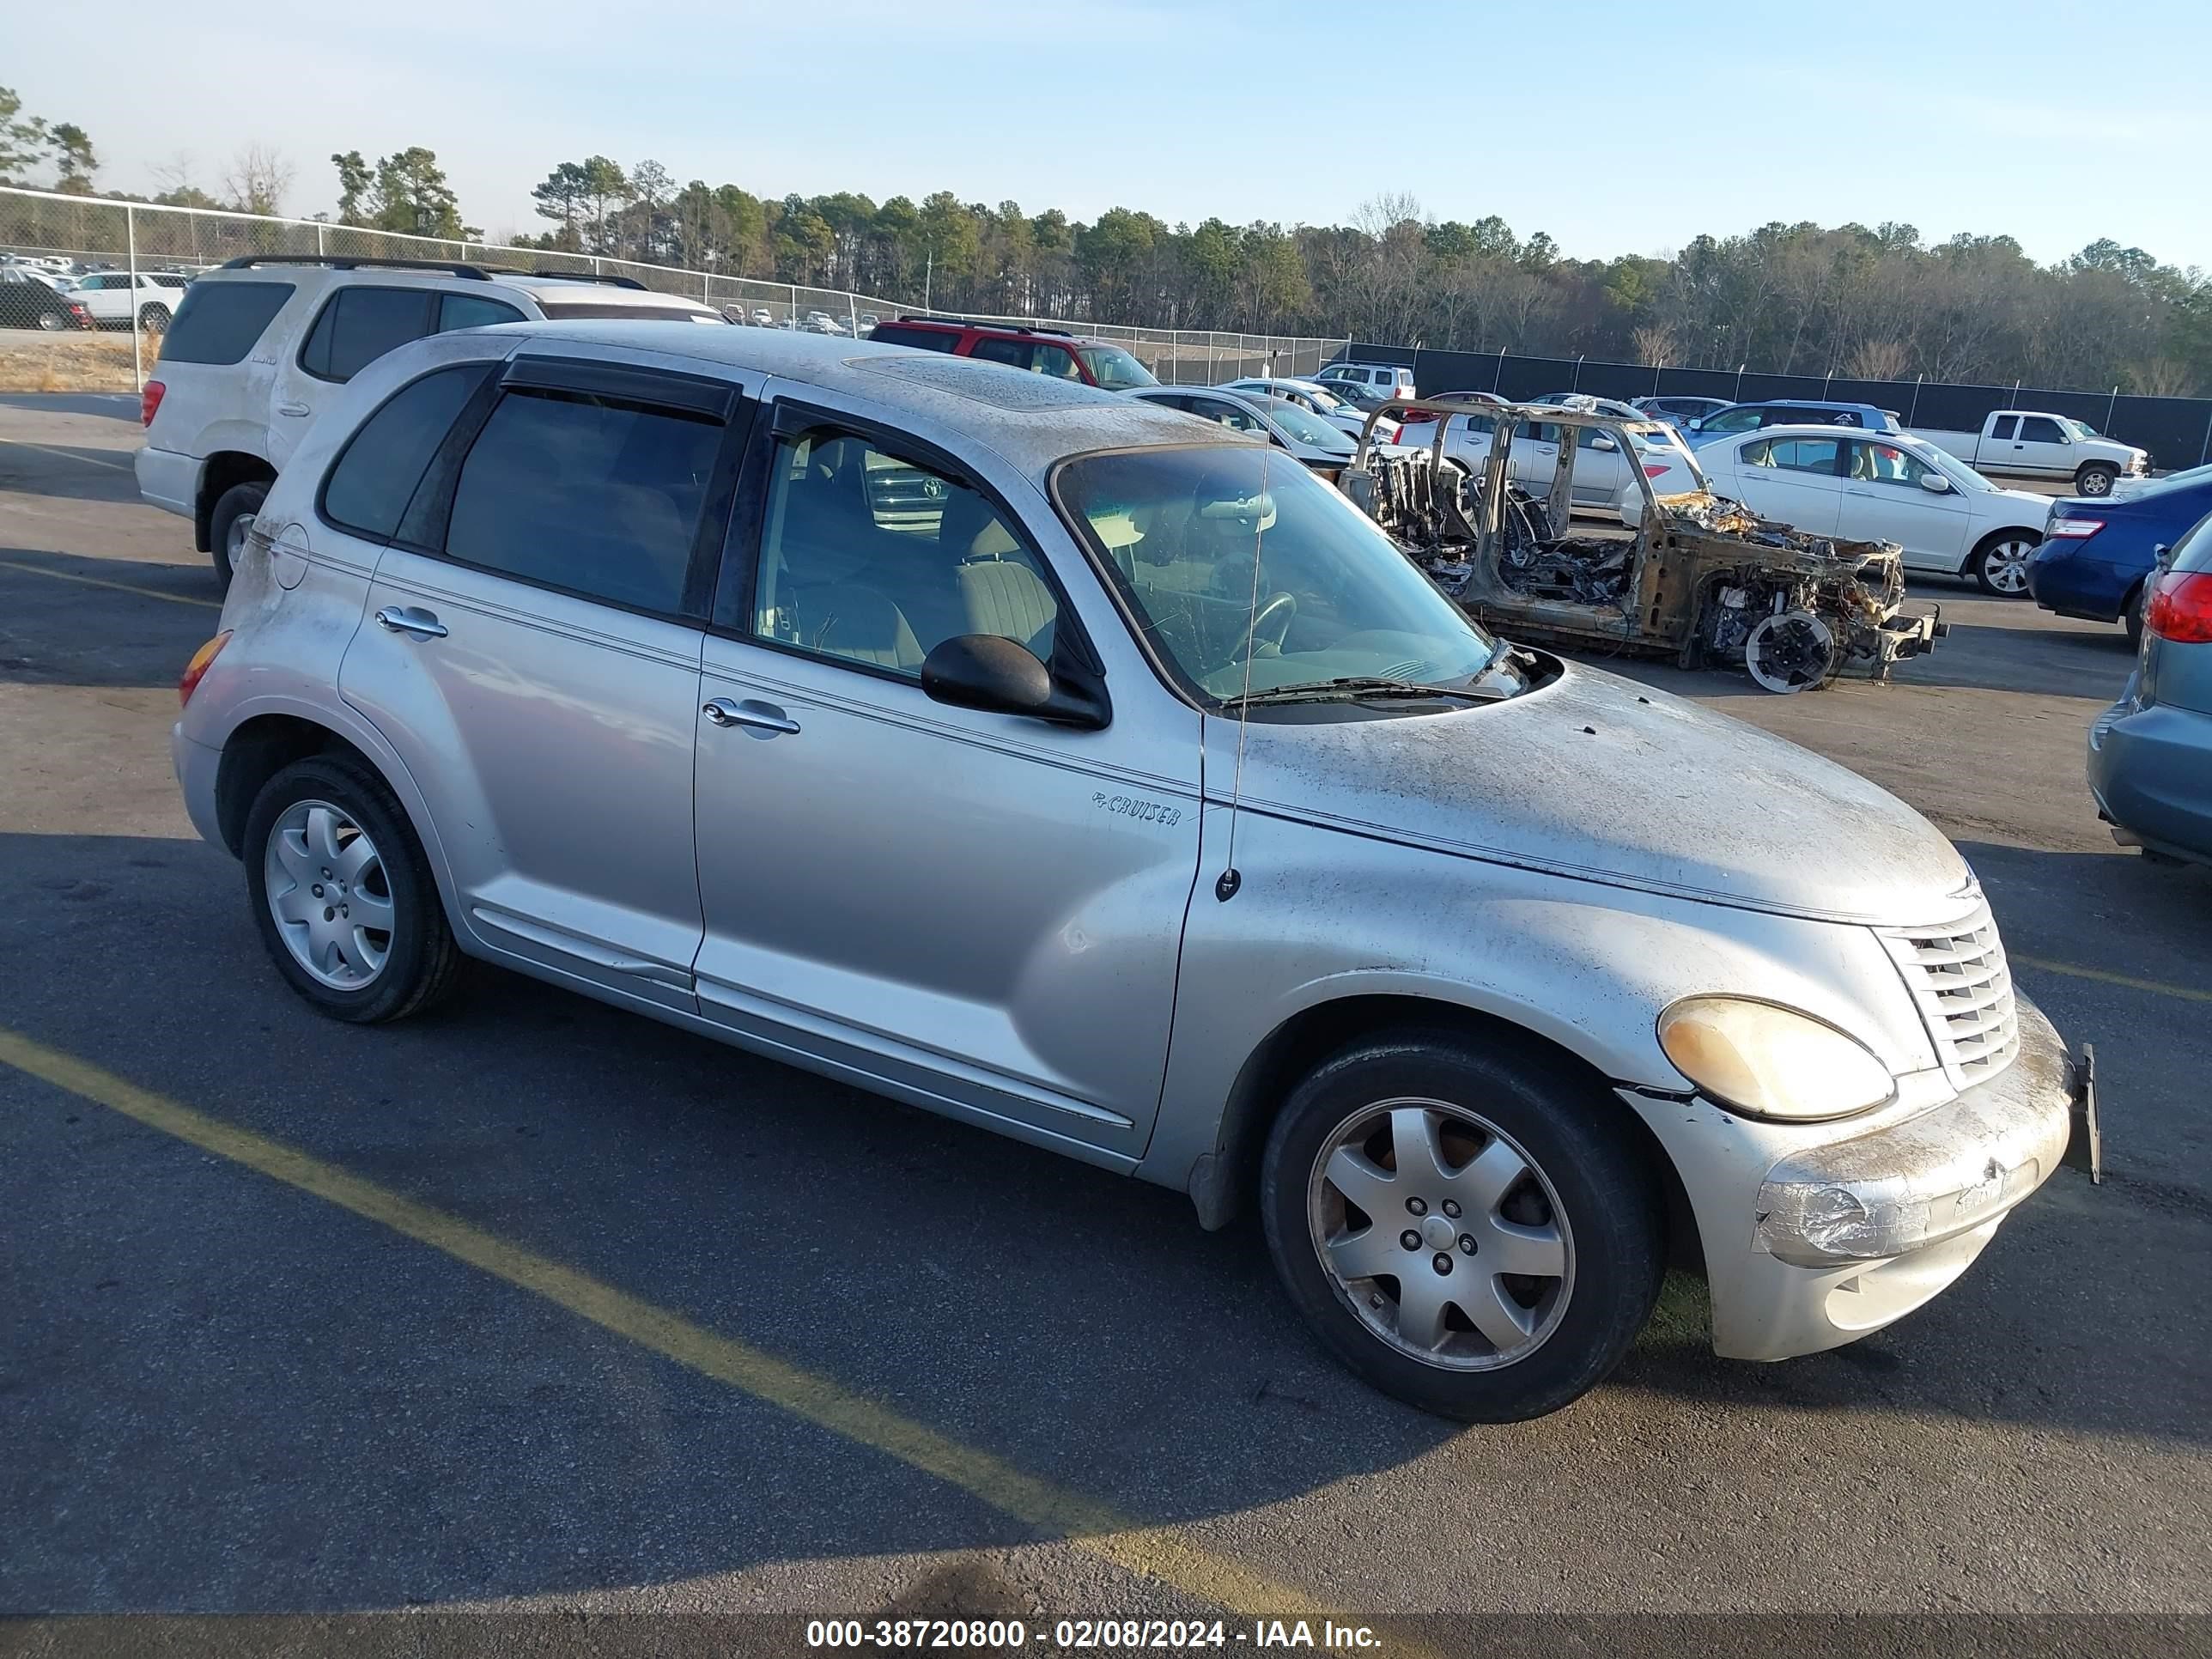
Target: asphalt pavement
{"type": "Point", "coordinates": [529, 1305]}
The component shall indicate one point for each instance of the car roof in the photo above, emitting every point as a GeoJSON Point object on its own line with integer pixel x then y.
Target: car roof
{"type": "Point", "coordinates": [1032, 421]}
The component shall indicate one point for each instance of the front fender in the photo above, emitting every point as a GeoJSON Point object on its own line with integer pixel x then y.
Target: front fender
{"type": "Point", "coordinates": [1322, 916]}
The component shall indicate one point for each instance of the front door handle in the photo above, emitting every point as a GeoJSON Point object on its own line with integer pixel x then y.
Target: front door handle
{"type": "Point", "coordinates": [292, 409]}
{"type": "Point", "coordinates": [412, 620]}
{"type": "Point", "coordinates": [760, 720]}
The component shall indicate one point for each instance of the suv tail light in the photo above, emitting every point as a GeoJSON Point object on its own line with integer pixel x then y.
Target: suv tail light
{"type": "Point", "coordinates": [2180, 607]}
{"type": "Point", "coordinates": [149, 402]}
{"type": "Point", "coordinates": [196, 670]}
{"type": "Point", "coordinates": [2071, 530]}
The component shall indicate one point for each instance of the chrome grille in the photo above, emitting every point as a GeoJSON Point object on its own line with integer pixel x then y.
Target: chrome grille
{"type": "Point", "coordinates": [1958, 975]}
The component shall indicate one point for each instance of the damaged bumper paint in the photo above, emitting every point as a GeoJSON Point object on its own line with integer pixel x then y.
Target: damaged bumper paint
{"type": "Point", "coordinates": [1815, 1245]}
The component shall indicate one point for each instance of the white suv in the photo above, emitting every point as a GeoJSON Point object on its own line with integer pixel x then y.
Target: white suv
{"type": "Point", "coordinates": [1383, 379]}
{"type": "Point", "coordinates": [260, 345]}
{"type": "Point", "coordinates": [112, 300]}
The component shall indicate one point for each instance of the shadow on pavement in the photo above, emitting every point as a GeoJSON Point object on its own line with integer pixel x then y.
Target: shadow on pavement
{"type": "Point", "coordinates": [62, 622]}
{"type": "Point", "coordinates": [66, 472]}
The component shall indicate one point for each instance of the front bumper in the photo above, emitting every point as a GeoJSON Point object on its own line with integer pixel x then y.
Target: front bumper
{"type": "Point", "coordinates": [1846, 1235]}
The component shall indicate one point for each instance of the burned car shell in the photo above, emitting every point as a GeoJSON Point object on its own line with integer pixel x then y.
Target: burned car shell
{"type": "Point", "coordinates": [1701, 578]}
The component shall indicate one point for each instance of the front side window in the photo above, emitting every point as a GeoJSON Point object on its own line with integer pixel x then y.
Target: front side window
{"type": "Point", "coordinates": [369, 489]}
{"type": "Point", "coordinates": [1887, 464]}
{"type": "Point", "coordinates": [597, 496]}
{"type": "Point", "coordinates": [1310, 429]}
{"type": "Point", "coordinates": [2041, 429]}
{"type": "Point", "coordinates": [1115, 369]}
{"type": "Point", "coordinates": [1181, 530]}
{"type": "Point", "coordinates": [1235, 415]}
{"type": "Point", "coordinates": [873, 560]}
{"type": "Point", "coordinates": [359, 325]}
{"type": "Point", "coordinates": [1057, 362]}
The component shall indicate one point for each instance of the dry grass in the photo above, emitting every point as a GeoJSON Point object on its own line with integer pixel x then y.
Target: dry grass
{"type": "Point", "coordinates": [80, 361]}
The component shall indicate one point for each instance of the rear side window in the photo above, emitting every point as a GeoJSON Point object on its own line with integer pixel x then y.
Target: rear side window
{"type": "Point", "coordinates": [596, 496]}
{"type": "Point", "coordinates": [467, 311]}
{"type": "Point", "coordinates": [929, 339]}
{"type": "Point", "coordinates": [219, 322]}
{"type": "Point", "coordinates": [360, 324]}
{"type": "Point", "coordinates": [1015, 354]}
{"type": "Point", "coordinates": [377, 473]}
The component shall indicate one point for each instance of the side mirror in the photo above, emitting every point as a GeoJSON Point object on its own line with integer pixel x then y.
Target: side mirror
{"type": "Point", "coordinates": [1935, 483]}
{"type": "Point", "coordinates": [1003, 676]}
{"type": "Point", "coordinates": [1698, 425]}
{"type": "Point", "coordinates": [1603, 442]}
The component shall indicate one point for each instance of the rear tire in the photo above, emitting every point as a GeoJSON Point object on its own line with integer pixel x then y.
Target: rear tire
{"type": "Point", "coordinates": [2094, 479]}
{"type": "Point", "coordinates": [2000, 563]}
{"type": "Point", "coordinates": [1480, 1155]}
{"type": "Point", "coordinates": [53, 322]}
{"type": "Point", "coordinates": [228, 524]}
{"type": "Point", "coordinates": [154, 319]}
{"type": "Point", "coordinates": [2132, 615]}
{"type": "Point", "coordinates": [404, 965]}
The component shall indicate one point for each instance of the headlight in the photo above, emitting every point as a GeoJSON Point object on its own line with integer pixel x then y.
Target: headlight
{"type": "Point", "coordinates": [1771, 1061]}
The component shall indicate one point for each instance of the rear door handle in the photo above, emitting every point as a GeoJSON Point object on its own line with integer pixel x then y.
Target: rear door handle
{"type": "Point", "coordinates": [410, 620]}
{"type": "Point", "coordinates": [760, 720]}
{"type": "Point", "coordinates": [293, 409]}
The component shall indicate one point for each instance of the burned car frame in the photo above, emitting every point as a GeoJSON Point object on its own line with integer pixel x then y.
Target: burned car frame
{"type": "Point", "coordinates": [1700, 578]}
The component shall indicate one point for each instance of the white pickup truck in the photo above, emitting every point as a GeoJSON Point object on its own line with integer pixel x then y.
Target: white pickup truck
{"type": "Point", "coordinates": [2028, 444]}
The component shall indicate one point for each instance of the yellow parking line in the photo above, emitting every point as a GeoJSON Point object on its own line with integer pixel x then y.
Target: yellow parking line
{"type": "Point", "coordinates": [119, 588]}
{"type": "Point", "coordinates": [1157, 1552]}
{"type": "Point", "coordinates": [2157, 987]}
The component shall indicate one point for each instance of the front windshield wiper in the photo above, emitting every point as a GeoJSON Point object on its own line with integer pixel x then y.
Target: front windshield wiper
{"type": "Point", "coordinates": [1352, 688]}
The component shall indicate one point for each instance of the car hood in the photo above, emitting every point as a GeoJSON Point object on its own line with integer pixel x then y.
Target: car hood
{"type": "Point", "coordinates": [1596, 777]}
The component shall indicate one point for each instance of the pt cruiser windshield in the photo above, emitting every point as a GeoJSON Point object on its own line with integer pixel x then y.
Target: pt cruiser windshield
{"type": "Point", "coordinates": [1331, 599]}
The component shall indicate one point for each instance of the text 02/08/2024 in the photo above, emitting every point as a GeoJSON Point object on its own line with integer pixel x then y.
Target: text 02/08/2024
{"type": "Point", "coordinates": [1080, 1635]}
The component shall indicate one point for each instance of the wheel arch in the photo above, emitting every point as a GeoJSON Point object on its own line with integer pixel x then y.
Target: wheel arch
{"type": "Point", "coordinates": [257, 751]}
{"type": "Point", "coordinates": [1221, 1182]}
{"type": "Point", "coordinates": [224, 469]}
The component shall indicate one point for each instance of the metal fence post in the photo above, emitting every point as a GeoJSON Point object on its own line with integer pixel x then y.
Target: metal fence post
{"type": "Point", "coordinates": [318, 239]}
{"type": "Point", "coordinates": [2111, 403]}
{"type": "Point", "coordinates": [137, 336]}
{"type": "Point", "coordinates": [1915, 408]}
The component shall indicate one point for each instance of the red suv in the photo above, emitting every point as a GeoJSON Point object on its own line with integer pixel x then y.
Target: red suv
{"type": "Point", "coordinates": [1043, 350]}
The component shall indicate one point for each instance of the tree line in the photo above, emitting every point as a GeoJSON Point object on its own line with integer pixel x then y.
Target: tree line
{"type": "Point", "coordinates": [1879, 302]}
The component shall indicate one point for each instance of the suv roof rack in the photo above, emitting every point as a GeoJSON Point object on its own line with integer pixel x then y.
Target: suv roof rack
{"type": "Point", "coordinates": [572, 276]}
{"type": "Point", "coordinates": [969, 322]}
{"type": "Point", "coordinates": [352, 261]}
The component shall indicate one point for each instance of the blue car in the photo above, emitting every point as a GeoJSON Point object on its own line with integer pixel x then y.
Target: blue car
{"type": "Point", "coordinates": [1750, 417]}
{"type": "Point", "coordinates": [2095, 555]}
{"type": "Point", "coordinates": [2150, 753]}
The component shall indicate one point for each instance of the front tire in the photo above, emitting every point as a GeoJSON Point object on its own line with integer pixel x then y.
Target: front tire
{"type": "Point", "coordinates": [2094, 479]}
{"type": "Point", "coordinates": [2000, 564]}
{"type": "Point", "coordinates": [343, 895]}
{"type": "Point", "coordinates": [1537, 1239]}
{"type": "Point", "coordinates": [228, 524]}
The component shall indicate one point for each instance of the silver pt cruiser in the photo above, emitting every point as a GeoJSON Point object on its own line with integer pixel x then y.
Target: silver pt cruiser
{"type": "Point", "coordinates": [1094, 774]}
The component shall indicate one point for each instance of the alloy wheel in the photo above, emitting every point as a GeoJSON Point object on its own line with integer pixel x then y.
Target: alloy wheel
{"type": "Point", "coordinates": [1441, 1234]}
{"type": "Point", "coordinates": [330, 894]}
{"type": "Point", "coordinates": [2005, 565]}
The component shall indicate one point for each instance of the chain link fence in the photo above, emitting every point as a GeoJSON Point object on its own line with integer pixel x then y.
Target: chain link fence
{"type": "Point", "coordinates": [87, 284]}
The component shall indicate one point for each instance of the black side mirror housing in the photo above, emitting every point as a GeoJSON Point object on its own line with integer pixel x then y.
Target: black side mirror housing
{"type": "Point", "coordinates": [1004, 677]}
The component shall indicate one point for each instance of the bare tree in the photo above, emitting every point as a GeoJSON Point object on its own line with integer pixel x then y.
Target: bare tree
{"type": "Point", "coordinates": [258, 179]}
{"type": "Point", "coordinates": [1879, 360]}
{"type": "Point", "coordinates": [2162, 377]}
{"type": "Point", "coordinates": [1654, 345]}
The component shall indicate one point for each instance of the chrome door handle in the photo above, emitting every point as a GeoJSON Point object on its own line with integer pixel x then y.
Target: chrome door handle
{"type": "Point", "coordinates": [410, 620]}
{"type": "Point", "coordinates": [292, 409]}
{"type": "Point", "coordinates": [760, 719]}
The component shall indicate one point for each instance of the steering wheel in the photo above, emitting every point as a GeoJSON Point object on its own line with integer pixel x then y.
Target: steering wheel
{"type": "Point", "coordinates": [1284, 605]}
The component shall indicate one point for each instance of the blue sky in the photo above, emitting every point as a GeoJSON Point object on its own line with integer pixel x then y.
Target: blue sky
{"type": "Point", "coordinates": [1617, 128]}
